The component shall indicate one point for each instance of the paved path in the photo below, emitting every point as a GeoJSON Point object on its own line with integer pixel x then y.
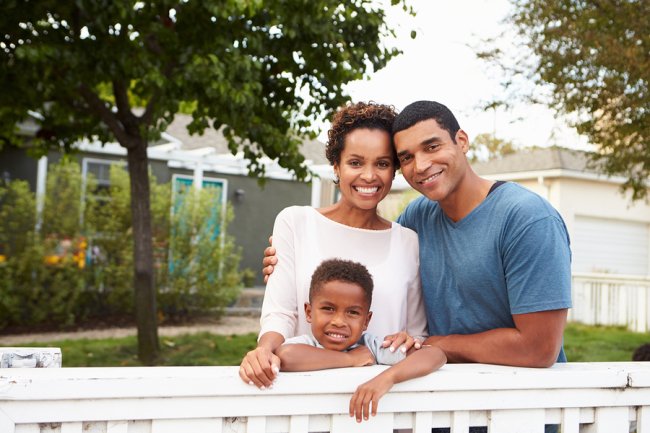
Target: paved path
{"type": "Point", "coordinates": [227, 325]}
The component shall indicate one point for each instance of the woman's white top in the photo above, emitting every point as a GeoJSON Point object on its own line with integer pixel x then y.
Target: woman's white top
{"type": "Point", "coordinates": [303, 238]}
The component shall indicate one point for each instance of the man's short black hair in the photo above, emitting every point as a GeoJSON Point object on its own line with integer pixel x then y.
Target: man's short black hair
{"type": "Point", "coordinates": [341, 270]}
{"type": "Point", "coordinates": [425, 110]}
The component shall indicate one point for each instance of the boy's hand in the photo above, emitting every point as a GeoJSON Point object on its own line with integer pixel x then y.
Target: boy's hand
{"type": "Point", "coordinates": [369, 392]}
{"type": "Point", "coordinates": [401, 340]}
{"type": "Point", "coordinates": [361, 356]}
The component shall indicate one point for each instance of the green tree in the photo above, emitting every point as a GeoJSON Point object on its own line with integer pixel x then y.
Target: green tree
{"type": "Point", "coordinates": [593, 58]}
{"type": "Point", "coordinates": [262, 70]}
{"type": "Point", "coordinates": [486, 146]}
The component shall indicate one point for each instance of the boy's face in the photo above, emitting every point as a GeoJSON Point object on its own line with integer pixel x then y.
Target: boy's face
{"type": "Point", "coordinates": [338, 313]}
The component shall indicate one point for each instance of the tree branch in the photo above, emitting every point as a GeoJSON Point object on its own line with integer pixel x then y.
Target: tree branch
{"type": "Point", "coordinates": [98, 107]}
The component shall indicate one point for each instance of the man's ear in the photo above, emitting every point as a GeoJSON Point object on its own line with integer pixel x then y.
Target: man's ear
{"type": "Point", "coordinates": [462, 140]}
{"type": "Point", "coordinates": [368, 317]}
{"type": "Point", "coordinates": [308, 311]}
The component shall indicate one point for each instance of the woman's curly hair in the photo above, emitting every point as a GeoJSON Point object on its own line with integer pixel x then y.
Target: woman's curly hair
{"type": "Point", "coordinates": [360, 115]}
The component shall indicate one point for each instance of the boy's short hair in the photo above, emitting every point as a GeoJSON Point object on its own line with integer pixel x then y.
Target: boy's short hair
{"type": "Point", "coordinates": [341, 270]}
{"type": "Point", "coordinates": [424, 110]}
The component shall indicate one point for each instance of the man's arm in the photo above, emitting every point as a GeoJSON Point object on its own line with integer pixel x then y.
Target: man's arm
{"type": "Point", "coordinates": [418, 363]}
{"type": "Point", "coordinates": [534, 342]}
{"type": "Point", "coordinates": [303, 357]}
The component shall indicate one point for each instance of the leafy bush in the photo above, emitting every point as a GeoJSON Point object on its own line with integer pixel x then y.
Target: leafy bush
{"type": "Point", "coordinates": [67, 272]}
{"type": "Point", "coordinates": [34, 291]}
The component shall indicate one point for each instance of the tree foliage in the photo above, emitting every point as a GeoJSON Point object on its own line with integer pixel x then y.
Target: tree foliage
{"type": "Point", "coordinates": [594, 58]}
{"type": "Point", "coordinates": [260, 70]}
{"type": "Point", "coordinates": [487, 146]}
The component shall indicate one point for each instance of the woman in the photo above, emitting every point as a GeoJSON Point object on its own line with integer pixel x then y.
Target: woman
{"type": "Point", "coordinates": [360, 150]}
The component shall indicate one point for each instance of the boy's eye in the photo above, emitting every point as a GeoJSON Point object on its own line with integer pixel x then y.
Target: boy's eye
{"type": "Point", "coordinates": [327, 308]}
{"type": "Point", "coordinates": [353, 313]}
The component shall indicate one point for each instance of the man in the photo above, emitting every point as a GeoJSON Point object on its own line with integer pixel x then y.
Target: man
{"type": "Point", "coordinates": [494, 257]}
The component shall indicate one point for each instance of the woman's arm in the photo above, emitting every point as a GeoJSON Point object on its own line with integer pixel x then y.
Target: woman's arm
{"type": "Point", "coordinates": [260, 366]}
{"type": "Point", "coordinates": [303, 357]}
{"type": "Point", "coordinates": [418, 363]}
{"type": "Point", "coordinates": [279, 309]}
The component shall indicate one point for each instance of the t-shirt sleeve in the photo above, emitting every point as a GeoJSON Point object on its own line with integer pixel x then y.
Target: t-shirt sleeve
{"type": "Point", "coordinates": [279, 308]}
{"type": "Point", "coordinates": [537, 266]}
{"type": "Point", "coordinates": [382, 355]}
{"type": "Point", "coordinates": [301, 339]}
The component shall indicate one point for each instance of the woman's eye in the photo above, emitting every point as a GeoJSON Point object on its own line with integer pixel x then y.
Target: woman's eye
{"type": "Point", "coordinates": [384, 164]}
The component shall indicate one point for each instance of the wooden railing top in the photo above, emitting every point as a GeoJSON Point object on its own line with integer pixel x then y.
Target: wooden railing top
{"type": "Point", "coordinates": [136, 382]}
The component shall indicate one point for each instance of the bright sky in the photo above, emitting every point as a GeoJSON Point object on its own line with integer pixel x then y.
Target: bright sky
{"type": "Point", "coordinates": [441, 65]}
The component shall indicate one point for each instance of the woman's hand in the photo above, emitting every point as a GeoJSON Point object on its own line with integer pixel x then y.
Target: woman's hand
{"type": "Point", "coordinates": [269, 261]}
{"type": "Point", "coordinates": [401, 340]}
{"type": "Point", "coordinates": [260, 367]}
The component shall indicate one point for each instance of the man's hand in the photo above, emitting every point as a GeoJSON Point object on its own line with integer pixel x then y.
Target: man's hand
{"type": "Point", "coordinates": [259, 367]}
{"type": "Point", "coordinates": [269, 261]}
{"type": "Point", "coordinates": [401, 340]}
{"type": "Point", "coordinates": [367, 393]}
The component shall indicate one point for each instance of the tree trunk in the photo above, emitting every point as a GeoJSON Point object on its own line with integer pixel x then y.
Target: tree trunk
{"type": "Point", "coordinates": [143, 281]}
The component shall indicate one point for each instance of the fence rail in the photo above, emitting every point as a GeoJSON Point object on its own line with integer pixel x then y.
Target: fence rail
{"type": "Point", "coordinates": [607, 299]}
{"type": "Point", "coordinates": [581, 397]}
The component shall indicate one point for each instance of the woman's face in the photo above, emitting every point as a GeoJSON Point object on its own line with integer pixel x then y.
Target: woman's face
{"type": "Point", "coordinates": [366, 169]}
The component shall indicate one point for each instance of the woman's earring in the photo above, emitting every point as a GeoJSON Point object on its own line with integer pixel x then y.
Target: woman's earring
{"type": "Point", "coordinates": [336, 180]}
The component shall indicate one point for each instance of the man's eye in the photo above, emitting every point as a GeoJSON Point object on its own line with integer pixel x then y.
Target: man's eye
{"type": "Point", "coordinates": [431, 147]}
{"type": "Point", "coordinates": [404, 158]}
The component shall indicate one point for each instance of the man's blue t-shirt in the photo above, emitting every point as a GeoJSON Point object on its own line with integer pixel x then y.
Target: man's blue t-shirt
{"type": "Point", "coordinates": [510, 255]}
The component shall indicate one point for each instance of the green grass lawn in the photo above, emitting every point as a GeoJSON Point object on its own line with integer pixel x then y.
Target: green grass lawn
{"type": "Point", "coordinates": [601, 343]}
{"type": "Point", "coordinates": [582, 343]}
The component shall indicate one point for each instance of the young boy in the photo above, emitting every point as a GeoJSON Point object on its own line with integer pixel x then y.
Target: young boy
{"type": "Point", "coordinates": [338, 310]}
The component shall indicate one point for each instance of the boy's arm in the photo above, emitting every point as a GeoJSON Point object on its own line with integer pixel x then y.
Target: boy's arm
{"type": "Point", "coordinates": [418, 363]}
{"type": "Point", "coordinates": [303, 357]}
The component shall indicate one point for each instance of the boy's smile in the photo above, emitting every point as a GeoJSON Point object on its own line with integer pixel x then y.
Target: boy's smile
{"type": "Point", "coordinates": [338, 313]}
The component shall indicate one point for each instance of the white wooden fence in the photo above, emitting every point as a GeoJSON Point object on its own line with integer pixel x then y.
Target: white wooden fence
{"type": "Point", "coordinates": [608, 299]}
{"type": "Point", "coordinates": [581, 397]}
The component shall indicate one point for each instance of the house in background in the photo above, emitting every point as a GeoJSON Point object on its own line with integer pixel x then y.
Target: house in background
{"type": "Point", "coordinates": [205, 160]}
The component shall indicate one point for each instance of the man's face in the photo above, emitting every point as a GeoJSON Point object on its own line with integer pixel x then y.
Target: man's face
{"type": "Point", "coordinates": [430, 160]}
{"type": "Point", "coordinates": [338, 313]}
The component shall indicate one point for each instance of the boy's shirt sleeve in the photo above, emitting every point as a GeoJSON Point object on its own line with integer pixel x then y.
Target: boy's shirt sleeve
{"type": "Point", "coordinates": [382, 355]}
{"type": "Point", "coordinates": [302, 339]}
